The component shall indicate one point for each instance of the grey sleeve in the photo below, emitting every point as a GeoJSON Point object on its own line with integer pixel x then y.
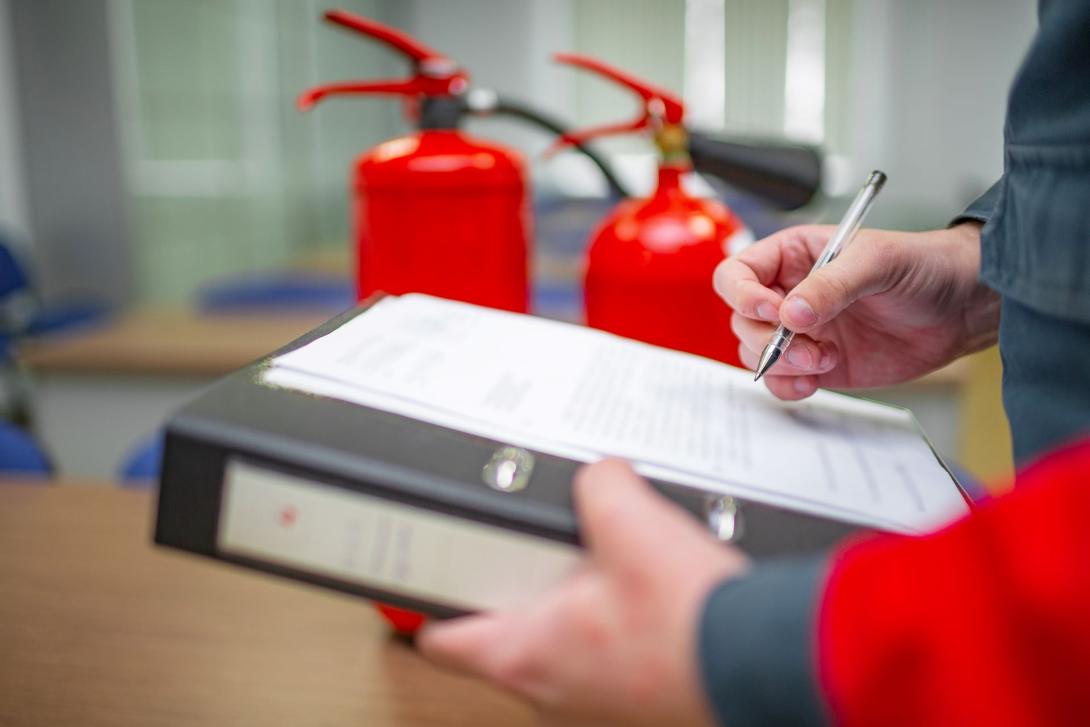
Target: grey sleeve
{"type": "Point", "coordinates": [757, 642]}
{"type": "Point", "coordinates": [981, 208]}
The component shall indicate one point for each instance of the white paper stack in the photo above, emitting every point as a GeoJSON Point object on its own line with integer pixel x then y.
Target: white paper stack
{"type": "Point", "coordinates": [584, 394]}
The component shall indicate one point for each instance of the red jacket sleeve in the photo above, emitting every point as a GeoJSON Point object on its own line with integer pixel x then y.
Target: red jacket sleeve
{"type": "Point", "coordinates": [985, 622]}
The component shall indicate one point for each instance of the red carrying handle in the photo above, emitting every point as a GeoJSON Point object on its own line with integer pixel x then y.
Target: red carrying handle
{"type": "Point", "coordinates": [433, 73]}
{"type": "Point", "coordinates": [659, 105]}
{"type": "Point", "coordinates": [399, 41]}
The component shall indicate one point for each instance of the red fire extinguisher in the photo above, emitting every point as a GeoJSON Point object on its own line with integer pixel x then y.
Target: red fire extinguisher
{"type": "Point", "coordinates": [436, 211]}
{"type": "Point", "coordinates": [650, 261]}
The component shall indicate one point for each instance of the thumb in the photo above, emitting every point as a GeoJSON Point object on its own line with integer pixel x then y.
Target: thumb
{"type": "Point", "coordinates": [623, 520]}
{"type": "Point", "coordinates": [867, 267]}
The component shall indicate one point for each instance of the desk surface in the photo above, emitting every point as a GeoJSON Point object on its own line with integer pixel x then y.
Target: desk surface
{"type": "Point", "coordinates": [100, 627]}
{"type": "Point", "coordinates": [168, 343]}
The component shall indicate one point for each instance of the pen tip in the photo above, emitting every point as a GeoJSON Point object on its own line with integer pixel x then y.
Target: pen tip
{"type": "Point", "coordinates": [769, 356]}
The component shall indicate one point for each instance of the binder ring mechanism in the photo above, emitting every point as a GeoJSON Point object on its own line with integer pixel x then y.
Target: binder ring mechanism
{"type": "Point", "coordinates": [509, 469]}
{"type": "Point", "coordinates": [724, 518]}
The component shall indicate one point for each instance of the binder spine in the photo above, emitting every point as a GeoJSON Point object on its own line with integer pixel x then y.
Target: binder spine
{"type": "Point", "coordinates": [250, 510]}
{"type": "Point", "coordinates": [378, 543]}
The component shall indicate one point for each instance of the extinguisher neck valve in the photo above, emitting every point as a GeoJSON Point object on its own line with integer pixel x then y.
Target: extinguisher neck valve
{"type": "Point", "coordinates": [672, 142]}
{"type": "Point", "coordinates": [441, 112]}
{"type": "Point", "coordinates": [438, 67]}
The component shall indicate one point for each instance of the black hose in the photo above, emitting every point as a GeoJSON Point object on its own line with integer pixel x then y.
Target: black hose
{"type": "Point", "coordinates": [783, 174]}
{"type": "Point", "coordinates": [508, 107]}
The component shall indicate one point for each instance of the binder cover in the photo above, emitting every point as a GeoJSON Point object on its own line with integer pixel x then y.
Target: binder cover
{"type": "Point", "coordinates": [394, 509]}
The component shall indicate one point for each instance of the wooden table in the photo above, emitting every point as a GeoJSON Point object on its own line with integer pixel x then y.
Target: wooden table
{"type": "Point", "coordinates": [99, 392]}
{"type": "Point", "coordinates": [100, 627]}
{"type": "Point", "coordinates": [168, 343]}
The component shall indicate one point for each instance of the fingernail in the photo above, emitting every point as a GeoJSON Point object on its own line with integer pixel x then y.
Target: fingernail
{"type": "Point", "coordinates": [767, 312]}
{"type": "Point", "coordinates": [799, 357]}
{"type": "Point", "coordinates": [802, 385]}
{"type": "Point", "coordinates": [800, 312]}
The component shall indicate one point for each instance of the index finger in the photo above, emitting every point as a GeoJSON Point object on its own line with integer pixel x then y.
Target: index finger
{"type": "Point", "coordinates": [783, 259]}
{"type": "Point", "coordinates": [738, 283]}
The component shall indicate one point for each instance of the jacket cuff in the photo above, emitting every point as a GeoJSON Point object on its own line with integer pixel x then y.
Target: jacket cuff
{"type": "Point", "coordinates": [980, 210]}
{"type": "Point", "coordinates": [757, 644]}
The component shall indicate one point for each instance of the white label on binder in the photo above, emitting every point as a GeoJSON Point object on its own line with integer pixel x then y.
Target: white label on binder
{"type": "Point", "coordinates": [313, 527]}
{"type": "Point", "coordinates": [585, 394]}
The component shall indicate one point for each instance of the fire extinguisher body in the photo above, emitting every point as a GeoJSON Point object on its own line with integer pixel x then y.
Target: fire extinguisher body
{"type": "Point", "coordinates": [649, 271]}
{"type": "Point", "coordinates": [436, 211]}
{"type": "Point", "coordinates": [650, 263]}
{"type": "Point", "coordinates": [443, 213]}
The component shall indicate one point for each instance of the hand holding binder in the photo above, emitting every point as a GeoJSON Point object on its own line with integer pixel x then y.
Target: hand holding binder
{"type": "Point", "coordinates": [616, 640]}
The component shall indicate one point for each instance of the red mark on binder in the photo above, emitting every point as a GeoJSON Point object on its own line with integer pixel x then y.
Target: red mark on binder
{"type": "Point", "coordinates": [288, 516]}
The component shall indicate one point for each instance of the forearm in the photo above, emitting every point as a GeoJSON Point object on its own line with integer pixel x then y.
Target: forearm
{"type": "Point", "coordinates": [756, 645]}
{"type": "Point", "coordinates": [983, 623]}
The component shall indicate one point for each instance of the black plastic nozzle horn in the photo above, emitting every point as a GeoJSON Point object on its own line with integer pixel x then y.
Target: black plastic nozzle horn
{"type": "Point", "coordinates": [783, 174]}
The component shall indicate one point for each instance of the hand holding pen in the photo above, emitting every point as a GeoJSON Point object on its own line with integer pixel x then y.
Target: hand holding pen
{"type": "Point", "coordinates": [782, 337]}
{"type": "Point", "coordinates": [890, 307]}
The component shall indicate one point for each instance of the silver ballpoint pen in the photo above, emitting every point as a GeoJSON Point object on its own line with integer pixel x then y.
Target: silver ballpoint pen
{"type": "Point", "coordinates": [853, 219]}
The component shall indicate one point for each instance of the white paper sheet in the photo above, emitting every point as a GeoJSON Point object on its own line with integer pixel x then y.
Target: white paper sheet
{"type": "Point", "coordinates": [585, 394]}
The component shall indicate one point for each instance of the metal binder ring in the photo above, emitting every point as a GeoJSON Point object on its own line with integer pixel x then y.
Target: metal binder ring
{"type": "Point", "coordinates": [724, 518]}
{"type": "Point", "coordinates": [509, 469]}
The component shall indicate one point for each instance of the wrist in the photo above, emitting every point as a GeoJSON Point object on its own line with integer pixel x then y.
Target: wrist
{"type": "Point", "coordinates": [980, 313]}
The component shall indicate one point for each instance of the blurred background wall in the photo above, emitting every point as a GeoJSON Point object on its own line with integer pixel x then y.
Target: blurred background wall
{"type": "Point", "coordinates": [66, 176]}
{"type": "Point", "coordinates": [149, 145]}
{"type": "Point", "coordinates": [149, 148]}
{"type": "Point", "coordinates": [13, 213]}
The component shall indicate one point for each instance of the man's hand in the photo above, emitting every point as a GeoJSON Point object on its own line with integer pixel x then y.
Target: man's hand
{"type": "Point", "coordinates": [891, 307]}
{"type": "Point", "coordinates": [617, 641]}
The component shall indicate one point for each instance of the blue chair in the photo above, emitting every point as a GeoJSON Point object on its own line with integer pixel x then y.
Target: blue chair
{"type": "Point", "coordinates": [278, 291]}
{"type": "Point", "coordinates": [562, 229]}
{"type": "Point", "coordinates": [22, 314]}
{"type": "Point", "coordinates": [13, 283]}
{"type": "Point", "coordinates": [20, 455]}
{"type": "Point", "coordinates": [25, 314]}
{"type": "Point", "coordinates": [13, 277]}
{"type": "Point", "coordinates": [141, 467]}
